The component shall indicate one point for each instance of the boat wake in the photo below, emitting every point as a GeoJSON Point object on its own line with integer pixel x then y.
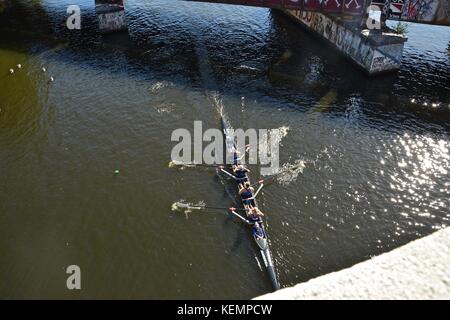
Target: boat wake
{"type": "Point", "coordinates": [283, 131]}
{"type": "Point", "coordinates": [217, 102]}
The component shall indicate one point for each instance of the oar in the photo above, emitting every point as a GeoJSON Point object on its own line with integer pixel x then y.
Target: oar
{"type": "Point", "coordinates": [200, 207]}
{"type": "Point", "coordinates": [194, 164]}
{"type": "Point", "coordinates": [247, 147]}
{"type": "Point", "coordinates": [259, 189]}
{"type": "Point", "coordinates": [233, 211]}
{"type": "Point", "coordinates": [227, 173]}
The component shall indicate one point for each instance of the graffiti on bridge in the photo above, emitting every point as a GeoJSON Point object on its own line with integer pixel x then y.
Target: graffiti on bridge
{"type": "Point", "coordinates": [425, 11]}
{"type": "Point", "coordinates": [348, 41]}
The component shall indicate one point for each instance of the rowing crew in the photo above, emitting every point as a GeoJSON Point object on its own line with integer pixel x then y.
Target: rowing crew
{"type": "Point", "coordinates": [248, 195]}
{"type": "Point", "coordinates": [246, 191]}
{"type": "Point", "coordinates": [240, 173]}
{"type": "Point", "coordinates": [254, 218]}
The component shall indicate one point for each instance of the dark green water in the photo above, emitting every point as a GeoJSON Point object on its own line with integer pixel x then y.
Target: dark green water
{"type": "Point", "coordinates": [376, 170]}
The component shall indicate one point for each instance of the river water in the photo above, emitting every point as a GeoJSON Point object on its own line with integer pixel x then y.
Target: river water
{"type": "Point", "coordinates": [376, 159]}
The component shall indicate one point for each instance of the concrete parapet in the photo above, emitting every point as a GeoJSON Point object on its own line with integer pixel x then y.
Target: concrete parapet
{"type": "Point", "coordinates": [418, 270]}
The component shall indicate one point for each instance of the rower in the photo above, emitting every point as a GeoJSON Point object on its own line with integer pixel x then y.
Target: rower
{"type": "Point", "coordinates": [254, 215]}
{"type": "Point", "coordinates": [258, 231]}
{"type": "Point", "coordinates": [240, 172]}
{"type": "Point", "coordinates": [236, 154]}
{"type": "Point", "coordinates": [235, 158]}
{"type": "Point", "coordinates": [246, 193]}
{"type": "Point", "coordinates": [248, 221]}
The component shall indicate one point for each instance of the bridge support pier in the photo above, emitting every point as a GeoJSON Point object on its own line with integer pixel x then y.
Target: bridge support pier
{"type": "Point", "coordinates": [110, 15]}
{"type": "Point", "coordinates": [374, 51]}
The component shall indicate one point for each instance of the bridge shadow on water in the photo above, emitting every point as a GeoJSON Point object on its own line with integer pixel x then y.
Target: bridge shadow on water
{"type": "Point", "coordinates": [400, 94]}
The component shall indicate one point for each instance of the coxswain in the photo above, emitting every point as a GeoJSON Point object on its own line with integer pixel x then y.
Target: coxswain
{"type": "Point", "coordinates": [258, 231]}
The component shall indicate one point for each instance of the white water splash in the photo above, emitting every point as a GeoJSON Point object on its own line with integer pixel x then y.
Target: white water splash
{"type": "Point", "coordinates": [155, 88]}
{"type": "Point", "coordinates": [187, 207]}
{"type": "Point", "coordinates": [175, 163]}
{"type": "Point", "coordinates": [182, 165]}
{"type": "Point", "coordinates": [291, 172]}
{"type": "Point", "coordinates": [275, 135]}
{"type": "Point", "coordinates": [281, 131]}
{"type": "Point", "coordinates": [165, 109]}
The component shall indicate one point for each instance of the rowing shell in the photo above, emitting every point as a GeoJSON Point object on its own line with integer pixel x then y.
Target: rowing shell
{"type": "Point", "coordinates": [262, 242]}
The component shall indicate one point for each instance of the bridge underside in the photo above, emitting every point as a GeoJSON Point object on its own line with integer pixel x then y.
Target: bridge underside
{"type": "Point", "coordinates": [421, 11]}
{"type": "Point", "coordinates": [335, 7]}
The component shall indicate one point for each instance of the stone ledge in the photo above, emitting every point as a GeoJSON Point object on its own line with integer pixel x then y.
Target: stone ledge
{"type": "Point", "coordinates": [418, 270]}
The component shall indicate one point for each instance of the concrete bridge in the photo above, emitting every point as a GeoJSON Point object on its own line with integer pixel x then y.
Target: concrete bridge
{"type": "Point", "coordinates": [420, 11]}
{"type": "Point", "coordinates": [356, 28]}
{"type": "Point", "coordinates": [416, 271]}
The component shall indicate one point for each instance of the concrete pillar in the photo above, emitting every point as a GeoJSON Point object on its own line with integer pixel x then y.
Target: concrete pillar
{"type": "Point", "coordinates": [374, 51]}
{"type": "Point", "coordinates": [111, 15]}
